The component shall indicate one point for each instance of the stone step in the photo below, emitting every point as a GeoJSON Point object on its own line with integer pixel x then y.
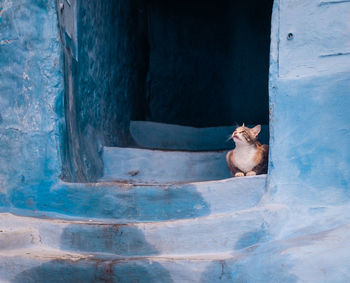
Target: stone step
{"type": "Point", "coordinates": [308, 257]}
{"type": "Point", "coordinates": [49, 265]}
{"type": "Point", "coordinates": [18, 237]}
{"type": "Point", "coordinates": [120, 202]}
{"type": "Point", "coordinates": [157, 166]}
{"type": "Point", "coordinates": [175, 137]}
{"type": "Point", "coordinates": [211, 234]}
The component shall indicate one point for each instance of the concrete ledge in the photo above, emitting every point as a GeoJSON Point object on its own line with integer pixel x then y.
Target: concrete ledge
{"type": "Point", "coordinates": [156, 166]}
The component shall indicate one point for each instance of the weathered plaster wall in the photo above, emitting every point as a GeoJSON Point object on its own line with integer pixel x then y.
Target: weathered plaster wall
{"type": "Point", "coordinates": [111, 65]}
{"type": "Point", "coordinates": [107, 76]}
{"type": "Point", "coordinates": [31, 95]}
{"type": "Point", "coordinates": [310, 121]}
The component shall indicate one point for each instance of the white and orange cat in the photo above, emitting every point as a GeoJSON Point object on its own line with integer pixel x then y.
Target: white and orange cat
{"type": "Point", "coordinates": [249, 157]}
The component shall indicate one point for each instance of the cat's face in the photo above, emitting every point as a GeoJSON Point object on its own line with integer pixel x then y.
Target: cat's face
{"type": "Point", "coordinates": [244, 135]}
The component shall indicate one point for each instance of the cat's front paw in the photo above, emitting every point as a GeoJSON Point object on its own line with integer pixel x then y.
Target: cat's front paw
{"type": "Point", "coordinates": [239, 174]}
{"type": "Point", "coordinates": [251, 173]}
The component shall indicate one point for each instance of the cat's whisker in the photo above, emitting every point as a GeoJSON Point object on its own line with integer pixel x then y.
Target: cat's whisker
{"type": "Point", "coordinates": [229, 138]}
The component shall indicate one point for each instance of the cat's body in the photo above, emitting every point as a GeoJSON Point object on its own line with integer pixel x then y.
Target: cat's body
{"type": "Point", "coordinates": [249, 157]}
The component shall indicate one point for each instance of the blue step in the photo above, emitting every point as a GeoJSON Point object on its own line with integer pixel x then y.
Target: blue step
{"type": "Point", "coordinates": [156, 166]}
{"type": "Point", "coordinates": [317, 257]}
{"type": "Point", "coordinates": [47, 265]}
{"type": "Point", "coordinates": [210, 234]}
{"type": "Point", "coordinates": [16, 237]}
{"type": "Point", "coordinates": [120, 202]}
{"type": "Point", "coordinates": [175, 137]}
{"type": "Point", "coordinates": [216, 234]}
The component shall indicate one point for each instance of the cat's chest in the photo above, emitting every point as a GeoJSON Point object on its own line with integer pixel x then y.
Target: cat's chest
{"type": "Point", "coordinates": [244, 158]}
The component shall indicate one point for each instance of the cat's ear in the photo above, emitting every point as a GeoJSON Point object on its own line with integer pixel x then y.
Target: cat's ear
{"type": "Point", "coordinates": [256, 130]}
{"type": "Point", "coordinates": [243, 125]}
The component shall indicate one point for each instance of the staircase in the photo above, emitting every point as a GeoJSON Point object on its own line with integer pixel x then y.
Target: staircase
{"type": "Point", "coordinates": [155, 216]}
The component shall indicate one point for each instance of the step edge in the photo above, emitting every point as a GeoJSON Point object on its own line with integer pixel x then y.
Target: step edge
{"type": "Point", "coordinates": [131, 183]}
{"type": "Point", "coordinates": [204, 152]}
{"type": "Point", "coordinates": [47, 252]}
{"type": "Point", "coordinates": [257, 208]}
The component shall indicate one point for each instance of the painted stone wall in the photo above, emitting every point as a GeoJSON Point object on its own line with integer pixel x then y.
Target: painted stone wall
{"type": "Point", "coordinates": [107, 76]}
{"type": "Point", "coordinates": [111, 66]}
{"type": "Point", "coordinates": [310, 102]}
{"type": "Point", "coordinates": [31, 95]}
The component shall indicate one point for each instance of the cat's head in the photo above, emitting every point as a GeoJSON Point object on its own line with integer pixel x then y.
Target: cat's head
{"type": "Point", "coordinates": [244, 135]}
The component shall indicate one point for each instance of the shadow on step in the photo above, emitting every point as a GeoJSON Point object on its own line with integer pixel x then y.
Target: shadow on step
{"type": "Point", "coordinates": [226, 234]}
{"type": "Point", "coordinates": [255, 267]}
{"type": "Point", "coordinates": [139, 203]}
{"type": "Point", "coordinates": [115, 201]}
{"type": "Point", "coordinates": [126, 240]}
{"type": "Point", "coordinates": [95, 271]}
{"type": "Point", "coordinates": [121, 240]}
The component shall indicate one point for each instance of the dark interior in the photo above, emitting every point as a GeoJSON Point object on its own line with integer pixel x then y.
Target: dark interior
{"type": "Point", "coordinates": [208, 62]}
{"type": "Point", "coordinates": [198, 63]}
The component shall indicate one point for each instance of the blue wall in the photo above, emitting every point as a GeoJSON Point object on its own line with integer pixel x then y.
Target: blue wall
{"type": "Point", "coordinates": [108, 74]}
{"type": "Point", "coordinates": [31, 102]}
{"type": "Point", "coordinates": [309, 103]}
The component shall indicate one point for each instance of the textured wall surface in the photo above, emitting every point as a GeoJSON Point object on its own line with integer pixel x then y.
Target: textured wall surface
{"type": "Point", "coordinates": [309, 140]}
{"type": "Point", "coordinates": [310, 121]}
{"type": "Point", "coordinates": [295, 231]}
{"type": "Point", "coordinates": [111, 71]}
{"type": "Point", "coordinates": [107, 76]}
{"type": "Point", "coordinates": [31, 94]}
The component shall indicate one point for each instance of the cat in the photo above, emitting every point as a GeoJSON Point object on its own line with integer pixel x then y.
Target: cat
{"type": "Point", "coordinates": [249, 157]}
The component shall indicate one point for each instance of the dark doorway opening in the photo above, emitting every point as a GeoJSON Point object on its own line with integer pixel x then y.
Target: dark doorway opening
{"type": "Point", "coordinates": [191, 63]}
{"type": "Point", "coordinates": [208, 63]}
